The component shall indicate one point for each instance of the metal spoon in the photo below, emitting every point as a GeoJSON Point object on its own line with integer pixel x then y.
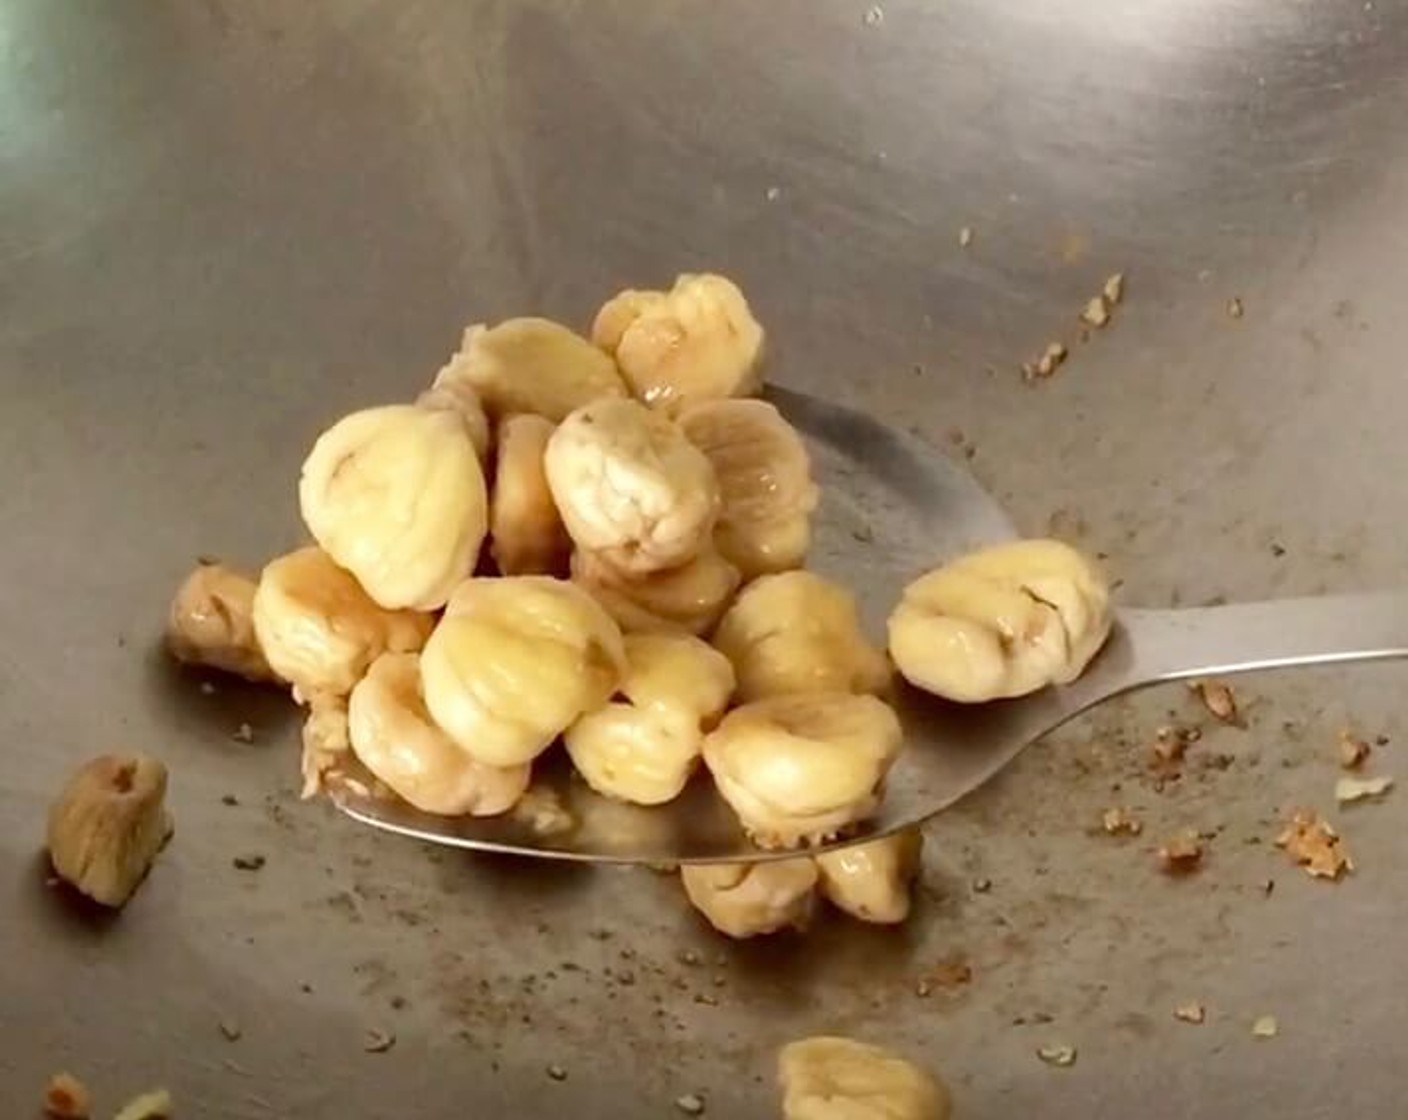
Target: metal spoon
{"type": "Point", "coordinates": [892, 507]}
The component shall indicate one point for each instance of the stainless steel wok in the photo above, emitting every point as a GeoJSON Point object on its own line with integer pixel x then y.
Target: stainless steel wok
{"type": "Point", "coordinates": [222, 224]}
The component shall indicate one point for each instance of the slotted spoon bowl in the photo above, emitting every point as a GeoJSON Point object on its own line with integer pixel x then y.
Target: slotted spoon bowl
{"type": "Point", "coordinates": [892, 507]}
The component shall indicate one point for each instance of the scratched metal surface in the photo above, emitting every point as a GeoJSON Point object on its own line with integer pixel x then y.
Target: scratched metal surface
{"type": "Point", "coordinates": [224, 223]}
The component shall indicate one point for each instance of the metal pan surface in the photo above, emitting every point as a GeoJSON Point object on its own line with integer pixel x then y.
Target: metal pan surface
{"type": "Point", "coordinates": [225, 224]}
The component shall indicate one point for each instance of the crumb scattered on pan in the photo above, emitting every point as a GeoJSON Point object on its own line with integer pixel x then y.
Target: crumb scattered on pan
{"type": "Point", "coordinates": [1190, 1012]}
{"type": "Point", "coordinates": [1099, 309]}
{"type": "Point", "coordinates": [874, 16]}
{"type": "Point", "coordinates": [774, 193]}
{"type": "Point", "coordinates": [229, 799]}
{"type": "Point", "coordinates": [155, 1105]}
{"type": "Point", "coordinates": [231, 1030]}
{"type": "Point", "coordinates": [557, 1073]}
{"type": "Point", "coordinates": [1096, 312]}
{"type": "Point", "coordinates": [1219, 699]}
{"type": "Point", "coordinates": [378, 1042]}
{"type": "Point", "coordinates": [1217, 760]}
{"type": "Point", "coordinates": [1266, 1027]}
{"type": "Point", "coordinates": [1170, 746]}
{"type": "Point", "coordinates": [965, 237]}
{"type": "Point", "coordinates": [1235, 310]}
{"type": "Point", "coordinates": [207, 688]}
{"type": "Point", "coordinates": [67, 1098]}
{"type": "Point", "coordinates": [1181, 854]}
{"type": "Point", "coordinates": [691, 1104]}
{"type": "Point", "coordinates": [1051, 359]}
{"type": "Point", "coordinates": [1352, 750]}
{"type": "Point", "coordinates": [1047, 364]}
{"type": "Point", "coordinates": [248, 862]}
{"type": "Point", "coordinates": [1313, 844]}
{"type": "Point", "coordinates": [982, 886]}
{"type": "Point", "coordinates": [1121, 822]}
{"type": "Point", "coordinates": [244, 733]}
{"type": "Point", "coordinates": [1061, 1056]}
{"type": "Point", "coordinates": [1359, 789]}
{"type": "Point", "coordinates": [951, 972]}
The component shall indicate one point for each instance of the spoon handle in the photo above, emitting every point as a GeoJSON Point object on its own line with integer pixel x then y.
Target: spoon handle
{"type": "Point", "coordinates": [1149, 646]}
